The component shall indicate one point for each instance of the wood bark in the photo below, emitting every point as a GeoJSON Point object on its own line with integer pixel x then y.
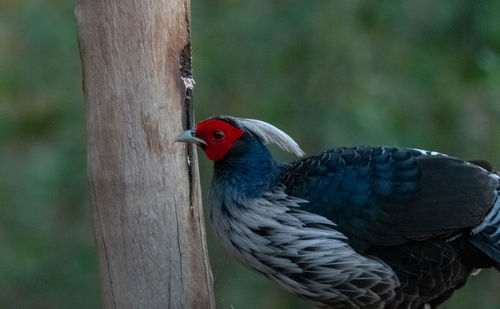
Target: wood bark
{"type": "Point", "coordinates": [144, 188]}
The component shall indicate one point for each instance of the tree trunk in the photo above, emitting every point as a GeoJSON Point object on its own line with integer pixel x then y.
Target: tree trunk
{"type": "Point", "coordinates": [144, 188]}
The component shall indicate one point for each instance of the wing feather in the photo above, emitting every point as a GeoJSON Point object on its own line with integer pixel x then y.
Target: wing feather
{"type": "Point", "coordinates": [387, 196]}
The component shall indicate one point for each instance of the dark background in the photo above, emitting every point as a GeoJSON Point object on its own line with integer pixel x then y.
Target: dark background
{"type": "Point", "coordinates": [422, 74]}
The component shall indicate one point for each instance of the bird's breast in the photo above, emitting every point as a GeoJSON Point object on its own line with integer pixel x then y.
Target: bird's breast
{"type": "Point", "coordinates": [301, 251]}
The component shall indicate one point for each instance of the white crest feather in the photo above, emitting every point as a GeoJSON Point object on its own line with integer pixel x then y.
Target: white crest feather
{"type": "Point", "coordinates": [270, 134]}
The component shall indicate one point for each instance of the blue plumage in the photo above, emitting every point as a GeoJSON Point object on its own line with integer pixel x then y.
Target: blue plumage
{"type": "Point", "coordinates": [250, 169]}
{"type": "Point", "coordinates": [385, 196]}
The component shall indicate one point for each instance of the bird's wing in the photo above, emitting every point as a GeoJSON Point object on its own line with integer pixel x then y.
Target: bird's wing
{"type": "Point", "coordinates": [387, 196]}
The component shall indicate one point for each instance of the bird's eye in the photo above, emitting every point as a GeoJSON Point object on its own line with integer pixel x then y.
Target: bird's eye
{"type": "Point", "coordinates": [218, 135]}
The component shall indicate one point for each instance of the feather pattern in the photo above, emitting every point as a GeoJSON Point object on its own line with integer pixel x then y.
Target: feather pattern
{"type": "Point", "coordinates": [267, 133]}
{"type": "Point", "coordinates": [301, 251]}
{"type": "Point", "coordinates": [386, 196]}
{"type": "Point", "coordinates": [486, 236]}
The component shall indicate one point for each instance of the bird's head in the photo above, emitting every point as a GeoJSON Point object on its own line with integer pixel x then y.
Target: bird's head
{"type": "Point", "coordinates": [221, 135]}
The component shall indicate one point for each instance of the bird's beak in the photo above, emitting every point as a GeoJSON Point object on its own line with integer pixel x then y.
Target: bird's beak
{"type": "Point", "coordinates": [189, 137]}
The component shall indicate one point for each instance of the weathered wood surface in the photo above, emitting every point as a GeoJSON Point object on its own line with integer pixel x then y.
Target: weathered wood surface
{"type": "Point", "coordinates": [145, 192]}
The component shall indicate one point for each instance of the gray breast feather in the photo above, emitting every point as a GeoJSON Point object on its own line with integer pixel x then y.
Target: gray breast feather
{"type": "Point", "coordinates": [302, 252]}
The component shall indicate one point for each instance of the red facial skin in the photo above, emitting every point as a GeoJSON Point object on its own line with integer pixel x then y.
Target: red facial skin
{"type": "Point", "coordinates": [219, 136]}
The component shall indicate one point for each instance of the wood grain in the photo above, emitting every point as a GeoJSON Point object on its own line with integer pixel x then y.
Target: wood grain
{"type": "Point", "coordinates": [145, 192]}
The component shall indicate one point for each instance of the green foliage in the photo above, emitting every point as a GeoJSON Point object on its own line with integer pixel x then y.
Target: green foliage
{"type": "Point", "coordinates": [330, 73]}
{"type": "Point", "coordinates": [47, 254]}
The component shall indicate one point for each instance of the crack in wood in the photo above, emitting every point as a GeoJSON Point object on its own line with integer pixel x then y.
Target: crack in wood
{"type": "Point", "coordinates": [106, 254]}
{"type": "Point", "coordinates": [186, 73]}
{"type": "Point", "coordinates": [179, 248]}
{"type": "Point", "coordinates": [108, 266]}
{"type": "Point", "coordinates": [186, 18]}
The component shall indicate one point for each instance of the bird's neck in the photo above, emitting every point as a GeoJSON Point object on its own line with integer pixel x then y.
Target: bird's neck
{"type": "Point", "coordinates": [249, 174]}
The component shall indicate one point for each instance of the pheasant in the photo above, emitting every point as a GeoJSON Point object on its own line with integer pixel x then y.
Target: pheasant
{"type": "Point", "coordinates": [351, 227]}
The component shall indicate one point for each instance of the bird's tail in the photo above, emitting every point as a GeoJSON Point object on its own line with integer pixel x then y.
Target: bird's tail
{"type": "Point", "coordinates": [486, 236]}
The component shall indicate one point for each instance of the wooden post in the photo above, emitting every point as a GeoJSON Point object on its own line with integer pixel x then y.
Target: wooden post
{"type": "Point", "coordinates": [144, 188]}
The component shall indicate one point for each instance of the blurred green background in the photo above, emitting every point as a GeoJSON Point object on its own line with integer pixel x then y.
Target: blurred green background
{"type": "Point", "coordinates": [424, 74]}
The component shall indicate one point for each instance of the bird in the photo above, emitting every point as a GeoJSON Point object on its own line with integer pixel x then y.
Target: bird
{"type": "Point", "coordinates": [350, 227]}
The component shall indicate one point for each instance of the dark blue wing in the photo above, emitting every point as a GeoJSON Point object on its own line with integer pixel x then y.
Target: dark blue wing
{"type": "Point", "coordinates": [387, 196]}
